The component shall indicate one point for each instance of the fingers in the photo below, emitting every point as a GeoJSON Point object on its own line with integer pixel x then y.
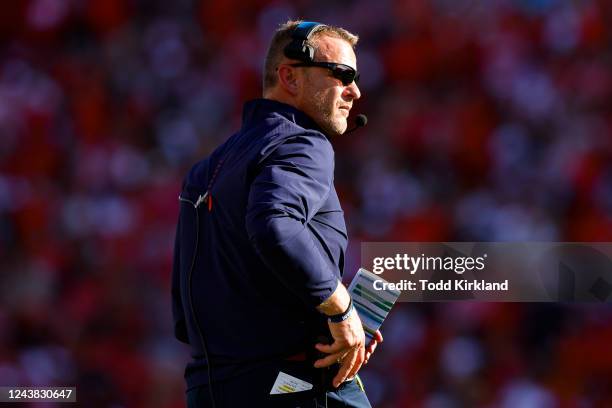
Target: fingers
{"type": "Point", "coordinates": [371, 347]}
{"type": "Point", "coordinates": [378, 338]}
{"type": "Point", "coordinates": [345, 369]}
{"type": "Point", "coordinates": [358, 364]}
{"type": "Point", "coordinates": [328, 360]}
{"type": "Point", "coordinates": [335, 347]}
{"type": "Point", "coordinates": [368, 352]}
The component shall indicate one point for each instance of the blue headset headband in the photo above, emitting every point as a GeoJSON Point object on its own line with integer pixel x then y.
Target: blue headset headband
{"type": "Point", "coordinates": [299, 48]}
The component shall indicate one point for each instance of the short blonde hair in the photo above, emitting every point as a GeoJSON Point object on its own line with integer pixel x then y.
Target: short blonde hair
{"type": "Point", "coordinates": [282, 38]}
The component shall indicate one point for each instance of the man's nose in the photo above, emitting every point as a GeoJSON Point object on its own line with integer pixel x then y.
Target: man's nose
{"type": "Point", "coordinates": [353, 90]}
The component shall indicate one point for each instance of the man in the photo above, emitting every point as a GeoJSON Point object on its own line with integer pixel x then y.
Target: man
{"type": "Point", "coordinates": [261, 240]}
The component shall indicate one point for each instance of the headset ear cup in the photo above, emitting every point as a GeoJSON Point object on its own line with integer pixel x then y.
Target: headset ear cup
{"type": "Point", "coordinates": [309, 52]}
{"type": "Point", "coordinates": [298, 48]}
{"type": "Point", "coordinates": [303, 53]}
{"type": "Point", "coordinates": [293, 52]}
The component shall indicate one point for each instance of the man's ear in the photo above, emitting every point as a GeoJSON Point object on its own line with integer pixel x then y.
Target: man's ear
{"type": "Point", "coordinates": [289, 79]}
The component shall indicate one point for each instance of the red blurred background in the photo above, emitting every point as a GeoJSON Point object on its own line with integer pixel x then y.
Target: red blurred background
{"type": "Point", "coordinates": [488, 121]}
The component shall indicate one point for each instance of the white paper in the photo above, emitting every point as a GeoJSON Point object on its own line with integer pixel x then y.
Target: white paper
{"type": "Point", "coordinates": [286, 383]}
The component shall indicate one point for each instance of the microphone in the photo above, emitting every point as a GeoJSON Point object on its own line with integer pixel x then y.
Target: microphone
{"type": "Point", "coordinates": [360, 121]}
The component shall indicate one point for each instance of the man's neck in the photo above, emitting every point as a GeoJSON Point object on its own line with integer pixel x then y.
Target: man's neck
{"type": "Point", "coordinates": [279, 97]}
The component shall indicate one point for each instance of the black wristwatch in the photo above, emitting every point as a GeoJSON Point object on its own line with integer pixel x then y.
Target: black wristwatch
{"type": "Point", "coordinates": [337, 318]}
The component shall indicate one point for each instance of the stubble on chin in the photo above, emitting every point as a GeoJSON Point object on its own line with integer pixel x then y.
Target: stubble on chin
{"type": "Point", "coordinates": [332, 126]}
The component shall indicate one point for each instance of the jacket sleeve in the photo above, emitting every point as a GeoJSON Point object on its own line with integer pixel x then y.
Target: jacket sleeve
{"type": "Point", "coordinates": [178, 314]}
{"type": "Point", "coordinates": [290, 186]}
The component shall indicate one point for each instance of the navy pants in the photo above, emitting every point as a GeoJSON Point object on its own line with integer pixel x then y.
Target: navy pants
{"type": "Point", "coordinates": [253, 390]}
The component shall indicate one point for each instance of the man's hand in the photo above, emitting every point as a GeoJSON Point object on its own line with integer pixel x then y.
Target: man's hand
{"type": "Point", "coordinates": [348, 348]}
{"type": "Point", "coordinates": [378, 338]}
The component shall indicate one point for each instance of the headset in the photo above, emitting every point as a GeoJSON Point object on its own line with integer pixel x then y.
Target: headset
{"type": "Point", "coordinates": [299, 48]}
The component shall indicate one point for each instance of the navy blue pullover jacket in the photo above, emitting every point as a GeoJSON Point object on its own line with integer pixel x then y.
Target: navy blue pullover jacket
{"type": "Point", "coordinates": [260, 243]}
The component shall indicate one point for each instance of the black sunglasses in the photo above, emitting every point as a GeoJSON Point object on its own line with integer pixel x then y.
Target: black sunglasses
{"type": "Point", "coordinates": [342, 72]}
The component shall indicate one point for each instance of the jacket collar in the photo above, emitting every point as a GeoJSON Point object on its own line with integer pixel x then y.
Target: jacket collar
{"type": "Point", "coordinates": [259, 109]}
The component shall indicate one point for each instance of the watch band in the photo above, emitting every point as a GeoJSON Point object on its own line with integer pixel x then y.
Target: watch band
{"type": "Point", "coordinates": [338, 318]}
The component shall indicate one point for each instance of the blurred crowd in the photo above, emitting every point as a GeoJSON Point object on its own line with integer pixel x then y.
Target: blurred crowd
{"type": "Point", "coordinates": [488, 121]}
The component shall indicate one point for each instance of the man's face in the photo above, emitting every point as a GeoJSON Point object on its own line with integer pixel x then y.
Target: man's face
{"type": "Point", "coordinates": [324, 98]}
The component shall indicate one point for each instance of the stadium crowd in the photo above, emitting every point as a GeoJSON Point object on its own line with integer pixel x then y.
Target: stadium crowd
{"type": "Point", "coordinates": [488, 121]}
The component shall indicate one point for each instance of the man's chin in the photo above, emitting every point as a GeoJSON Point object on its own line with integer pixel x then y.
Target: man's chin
{"type": "Point", "coordinates": [334, 128]}
{"type": "Point", "coordinates": [337, 130]}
